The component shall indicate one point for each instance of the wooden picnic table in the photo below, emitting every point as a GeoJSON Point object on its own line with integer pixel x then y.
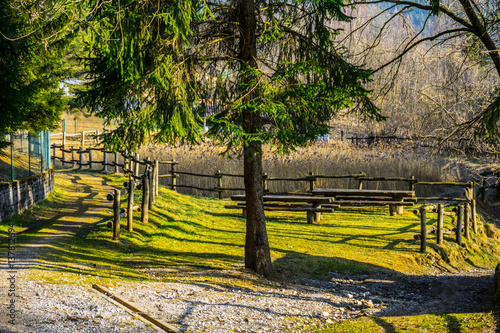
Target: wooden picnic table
{"type": "Point", "coordinates": [308, 203]}
{"type": "Point", "coordinates": [396, 199]}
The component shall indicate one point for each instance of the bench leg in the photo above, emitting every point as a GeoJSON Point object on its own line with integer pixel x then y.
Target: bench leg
{"type": "Point", "coordinates": [317, 217]}
{"type": "Point", "coordinates": [395, 210]}
{"type": "Point", "coordinates": [311, 216]}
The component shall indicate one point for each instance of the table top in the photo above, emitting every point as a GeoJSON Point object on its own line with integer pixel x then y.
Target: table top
{"type": "Point", "coordinates": [289, 198]}
{"type": "Point", "coordinates": [355, 192]}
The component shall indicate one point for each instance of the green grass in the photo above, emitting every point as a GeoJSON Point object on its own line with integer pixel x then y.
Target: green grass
{"type": "Point", "coordinates": [462, 322]}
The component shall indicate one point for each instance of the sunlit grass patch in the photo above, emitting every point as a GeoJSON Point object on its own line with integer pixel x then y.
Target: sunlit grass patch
{"type": "Point", "coordinates": [455, 322]}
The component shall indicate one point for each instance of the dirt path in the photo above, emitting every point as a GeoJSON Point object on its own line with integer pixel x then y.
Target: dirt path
{"type": "Point", "coordinates": [40, 307]}
{"type": "Point", "coordinates": [85, 207]}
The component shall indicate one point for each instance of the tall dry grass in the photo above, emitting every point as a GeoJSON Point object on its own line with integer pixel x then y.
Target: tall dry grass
{"type": "Point", "coordinates": [338, 158]}
{"type": "Point", "coordinates": [321, 159]}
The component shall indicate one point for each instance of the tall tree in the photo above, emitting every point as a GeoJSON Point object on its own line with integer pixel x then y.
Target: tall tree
{"type": "Point", "coordinates": [272, 67]}
{"type": "Point", "coordinates": [30, 95]}
{"type": "Point", "coordinates": [473, 24]}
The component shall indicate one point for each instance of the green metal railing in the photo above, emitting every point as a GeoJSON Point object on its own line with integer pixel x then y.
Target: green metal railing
{"type": "Point", "coordinates": [28, 155]}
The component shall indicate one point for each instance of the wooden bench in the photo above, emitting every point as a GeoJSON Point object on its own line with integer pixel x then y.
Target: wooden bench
{"type": "Point", "coordinates": [312, 205]}
{"type": "Point", "coordinates": [395, 199]}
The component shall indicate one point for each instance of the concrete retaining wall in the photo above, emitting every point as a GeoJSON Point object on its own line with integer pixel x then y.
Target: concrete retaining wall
{"type": "Point", "coordinates": [19, 195]}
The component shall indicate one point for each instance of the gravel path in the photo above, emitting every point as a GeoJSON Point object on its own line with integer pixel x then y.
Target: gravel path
{"type": "Point", "coordinates": [195, 307]}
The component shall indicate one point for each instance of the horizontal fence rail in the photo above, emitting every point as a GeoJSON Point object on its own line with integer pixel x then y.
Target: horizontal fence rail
{"type": "Point", "coordinates": [82, 137]}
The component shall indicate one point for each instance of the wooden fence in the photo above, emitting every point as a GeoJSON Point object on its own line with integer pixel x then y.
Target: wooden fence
{"type": "Point", "coordinates": [81, 138]}
{"type": "Point", "coordinates": [120, 162]}
{"type": "Point", "coordinates": [148, 181]}
{"type": "Point", "coordinates": [461, 215]}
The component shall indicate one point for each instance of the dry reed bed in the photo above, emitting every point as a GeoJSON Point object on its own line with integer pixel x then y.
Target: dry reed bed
{"type": "Point", "coordinates": [321, 159]}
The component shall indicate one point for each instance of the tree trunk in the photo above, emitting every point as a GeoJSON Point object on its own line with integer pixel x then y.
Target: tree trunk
{"type": "Point", "coordinates": [257, 253]}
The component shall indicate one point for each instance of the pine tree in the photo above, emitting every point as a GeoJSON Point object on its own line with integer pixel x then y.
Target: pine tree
{"type": "Point", "coordinates": [30, 95]}
{"type": "Point", "coordinates": [271, 67]}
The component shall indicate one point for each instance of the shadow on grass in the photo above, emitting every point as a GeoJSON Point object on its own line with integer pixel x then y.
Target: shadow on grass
{"type": "Point", "coordinates": [388, 327]}
{"type": "Point", "coordinates": [453, 325]}
{"type": "Point", "coordinates": [445, 293]}
{"type": "Point", "coordinates": [333, 233]}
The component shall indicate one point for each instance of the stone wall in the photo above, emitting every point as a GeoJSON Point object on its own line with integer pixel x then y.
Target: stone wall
{"type": "Point", "coordinates": [17, 196]}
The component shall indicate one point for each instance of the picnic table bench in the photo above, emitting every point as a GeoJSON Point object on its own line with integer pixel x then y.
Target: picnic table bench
{"type": "Point", "coordinates": [312, 205]}
{"type": "Point", "coordinates": [395, 199]}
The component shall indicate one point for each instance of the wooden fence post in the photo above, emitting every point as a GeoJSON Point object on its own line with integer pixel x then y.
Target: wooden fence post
{"type": "Point", "coordinates": [145, 198]}
{"type": "Point", "coordinates": [80, 151]}
{"type": "Point", "coordinates": [53, 153]}
{"type": "Point", "coordinates": [64, 139]}
{"type": "Point", "coordinates": [440, 212]}
{"type": "Point", "coordinates": [97, 136]}
{"type": "Point", "coordinates": [460, 218]}
{"type": "Point", "coordinates": [63, 159]}
{"type": "Point", "coordinates": [466, 220]}
{"type": "Point", "coordinates": [311, 180]}
{"type": "Point", "coordinates": [116, 210]}
{"type": "Point", "coordinates": [360, 181]}
{"type": "Point", "coordinates": [412, 183]}
{"type": "Point", "coordinates": [156, 178]}
{"type": "Point", "coordinates": [218, 176]}
{"type": "Point", "coordinates": [130, 161]}
{"type": "Point", "coordinates": [130, 203]}
{"type": "Point", "coordinates": [423, 230]}
{"type": "Point", "coordinates": [91, 163]}
{"type": "Point", "coordinates": [136, 165]}
{"type": "Point", "coordinates": [83, 139]}
{"type": "Point", "coordinates": [73, 159]}
{"type": "Point", "coordinates": [126, 163]}
{"type": "Point", "coordinates": [116, 162]}
{"type": "Point", "coordinates": [150, 186]}
{"type": "Point", "coordinates": [265, 182]}
{"type": "Point", "coordinates": [473, 207]}
{"type": "Point", "coordinates": [173, 176]}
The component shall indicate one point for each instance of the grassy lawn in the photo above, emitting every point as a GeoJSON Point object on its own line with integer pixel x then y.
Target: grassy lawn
{"type": "Point", "coordinates": [188, 235]}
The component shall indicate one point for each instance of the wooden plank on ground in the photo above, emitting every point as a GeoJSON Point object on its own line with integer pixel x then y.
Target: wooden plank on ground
{"type": "Point", "coordinates": [157, 322]}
